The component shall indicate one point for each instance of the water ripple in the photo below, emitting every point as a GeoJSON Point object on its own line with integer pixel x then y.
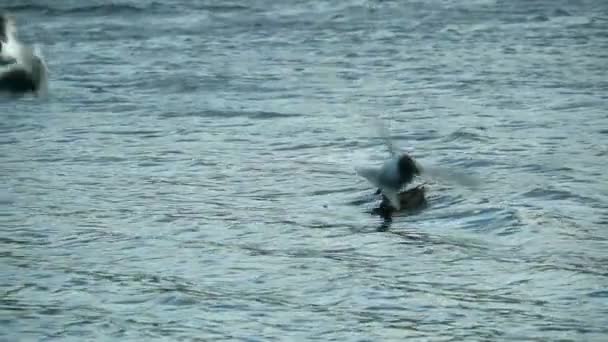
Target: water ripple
{"type": "Point", "coordinates": [192, 170]}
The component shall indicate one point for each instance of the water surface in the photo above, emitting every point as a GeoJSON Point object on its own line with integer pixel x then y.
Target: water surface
{"type": "Point", "coordinates": [190, 176]}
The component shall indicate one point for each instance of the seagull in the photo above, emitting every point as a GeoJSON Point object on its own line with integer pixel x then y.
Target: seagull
{"type": "Point", "coordinates": [22, 69]}
{"type": "Point", "coordinates": [396, 172]}
{"type": "Point", "coordinates": [400, 170]}
{"type": "Point", "coordinates": [392, 176]}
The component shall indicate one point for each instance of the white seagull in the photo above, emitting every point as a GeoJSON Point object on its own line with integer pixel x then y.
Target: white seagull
{"type": "Point", "coordinates": [22, 69]}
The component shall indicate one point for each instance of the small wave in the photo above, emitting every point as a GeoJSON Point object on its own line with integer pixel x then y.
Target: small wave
{"type": "Point", "coordinates": [111, 9]}
{"type": "Point", "coordinates": [561, 13]}
{"type": "Point", "coordinates": [26, 8]}
{"type": "Point", "coordinates": [232, 114]}
{"type": "Point", "coordinates": [556, 195]}
{"type": "Point", "coordinates": [598, 294]}
{"type": "Point", "coordinates": [223, 8]}
{"type": "Point", "coordinates": [576, 105]}
{"type": "Point", "coordinates": [540, 18]}
{"type": "Point", "coordinates": [132, 132]}
{"type": "Point", "coordinates": [101, 9]}
{"type": "Point", "coordinates": [465, 135]}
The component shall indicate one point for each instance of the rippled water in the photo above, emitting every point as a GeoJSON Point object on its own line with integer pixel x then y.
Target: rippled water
{"type": "Point", "coordinates": [190, 175]}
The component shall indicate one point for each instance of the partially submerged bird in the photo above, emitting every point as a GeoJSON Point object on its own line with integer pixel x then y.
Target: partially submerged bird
{"type": "Point", "coordinates": [409, 200]}
{"type": "Point", "coordinates": [398, 171]}
{"type": "Point", "coordinates": [22, 69]}
{"type": "Point", "coordinates": [392, 176]}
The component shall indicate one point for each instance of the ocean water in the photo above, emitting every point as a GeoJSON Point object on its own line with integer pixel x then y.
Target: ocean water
{"type": "Point", "coordinates": [190, 174]}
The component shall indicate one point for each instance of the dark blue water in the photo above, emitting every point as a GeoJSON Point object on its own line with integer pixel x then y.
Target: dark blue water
{"type": "Point", "coordinates": [190, 175]}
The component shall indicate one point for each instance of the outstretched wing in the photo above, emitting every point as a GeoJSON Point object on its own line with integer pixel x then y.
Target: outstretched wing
{"type": "Point", "coordinates": [10, 49]}
{"type": "Point", "coordinates": [450, 176]}
{"type": "Point", "coordinates": [372, 174]}
{"type": "Point", "coordinates": [385, 134]}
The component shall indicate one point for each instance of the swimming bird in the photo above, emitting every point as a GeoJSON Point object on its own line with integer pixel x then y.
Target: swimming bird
{"type": "Point", "coordinates": [22, 69]}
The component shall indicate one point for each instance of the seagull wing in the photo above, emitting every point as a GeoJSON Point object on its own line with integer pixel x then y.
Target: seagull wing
{"type": "Point", "coordinates": [372, 174]}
